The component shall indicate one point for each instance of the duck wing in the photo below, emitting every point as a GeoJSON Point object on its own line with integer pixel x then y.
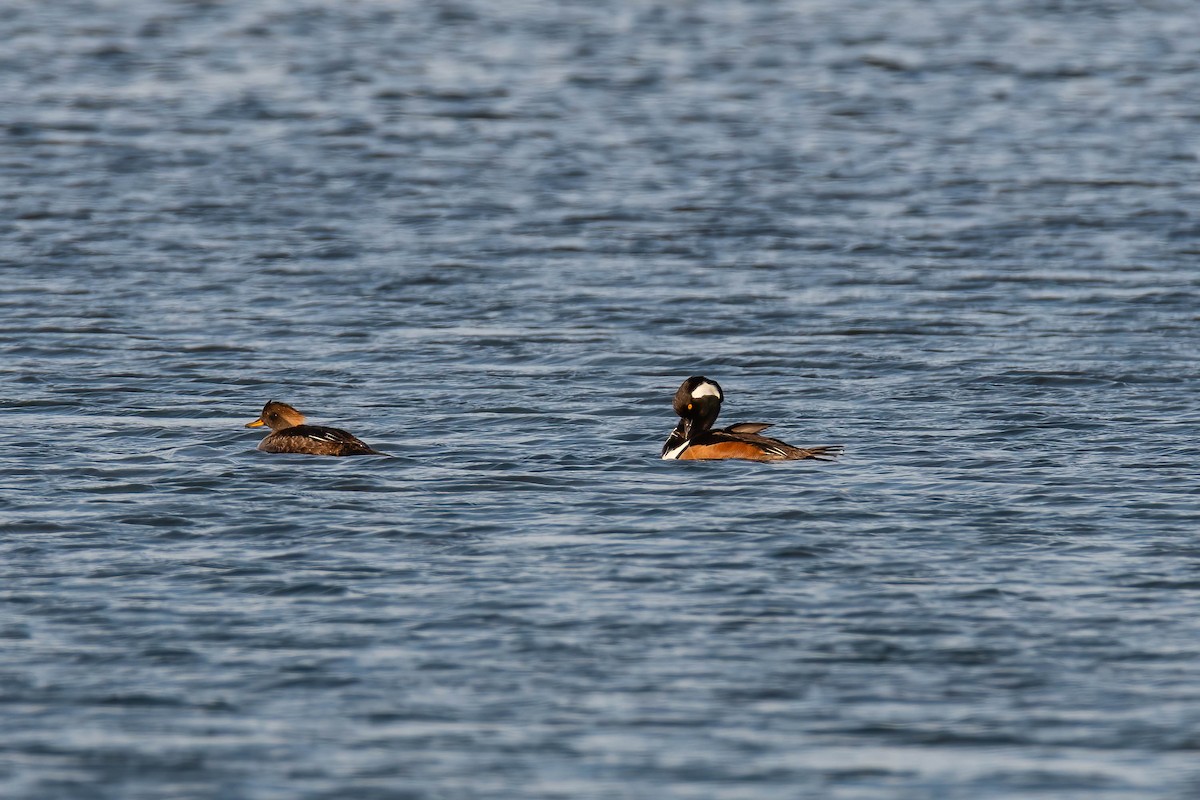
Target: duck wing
{"type": "Point", "coordinates": [727, 444]}
{"type": "Point", "coordinates": [319, 440]}
{"type": "Point", "coordinates": [748, 427]}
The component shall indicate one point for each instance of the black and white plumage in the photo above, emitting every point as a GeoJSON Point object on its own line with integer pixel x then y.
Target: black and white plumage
{"type": "Point", "coordinates": [698, 402]}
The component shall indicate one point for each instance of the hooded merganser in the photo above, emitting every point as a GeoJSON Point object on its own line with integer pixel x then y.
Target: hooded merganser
{"type": "Point", "coordinates": [289, 434]}
{"type": "Point", "coordinates": [698, 402]}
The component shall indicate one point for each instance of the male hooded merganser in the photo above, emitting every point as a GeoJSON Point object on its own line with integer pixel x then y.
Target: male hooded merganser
{"type": "Point", "coordinates": [289, 434]}
{"type": "Point", "coordinates": [698, 402]}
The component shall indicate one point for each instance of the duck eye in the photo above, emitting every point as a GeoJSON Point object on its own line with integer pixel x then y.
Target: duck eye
{"type": "Point", "coordinates": [689, 406]}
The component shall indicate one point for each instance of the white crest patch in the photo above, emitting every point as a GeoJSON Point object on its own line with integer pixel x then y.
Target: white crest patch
{"type": "Point", "coordinates": [706, 389]}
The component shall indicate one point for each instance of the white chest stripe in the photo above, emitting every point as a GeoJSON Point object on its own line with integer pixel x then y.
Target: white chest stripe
{"type": "Point", "coordinates": [671, 455]}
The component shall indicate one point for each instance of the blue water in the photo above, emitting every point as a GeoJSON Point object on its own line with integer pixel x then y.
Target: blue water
{"type": "Point", "coordinates": [961, 238]}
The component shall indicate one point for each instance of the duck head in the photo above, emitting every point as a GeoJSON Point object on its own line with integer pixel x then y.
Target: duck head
{"type": "Point", "coordinates": [698, 402]}
{"type": "Point", "coordinates": [277, 416]}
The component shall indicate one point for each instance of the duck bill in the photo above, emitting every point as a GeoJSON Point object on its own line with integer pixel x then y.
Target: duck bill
{"type": "Point", "coordinates": [258, 423]}
{"type": "Point", "coordinates": [684, 428]}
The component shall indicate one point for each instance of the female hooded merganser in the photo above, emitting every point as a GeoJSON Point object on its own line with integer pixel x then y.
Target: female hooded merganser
{"type": "Point", "coordinates": [698, 402]}
{"type": "Point", "coordinates": [289, 434]}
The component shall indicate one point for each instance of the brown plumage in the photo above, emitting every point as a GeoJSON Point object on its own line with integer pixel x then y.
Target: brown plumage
{"type": "Point", "coordinates": [698, 402]}
{"type": "Point", "coordinates": [289, 434]}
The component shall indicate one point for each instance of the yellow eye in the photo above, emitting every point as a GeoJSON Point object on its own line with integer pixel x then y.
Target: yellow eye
{"type": "Point", "coordinates": [689, 406]}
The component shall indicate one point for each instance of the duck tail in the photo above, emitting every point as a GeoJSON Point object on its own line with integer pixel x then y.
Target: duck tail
{"type": "Point", "coordinates": [827, 452]}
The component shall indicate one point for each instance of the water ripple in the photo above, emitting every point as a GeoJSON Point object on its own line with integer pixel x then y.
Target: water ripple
{"type": "Point", "coordinates": [491, 239]}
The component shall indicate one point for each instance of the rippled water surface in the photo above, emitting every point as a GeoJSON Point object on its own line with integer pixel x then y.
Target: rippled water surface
{"type": "Point", "coordinates": [960, 238]}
